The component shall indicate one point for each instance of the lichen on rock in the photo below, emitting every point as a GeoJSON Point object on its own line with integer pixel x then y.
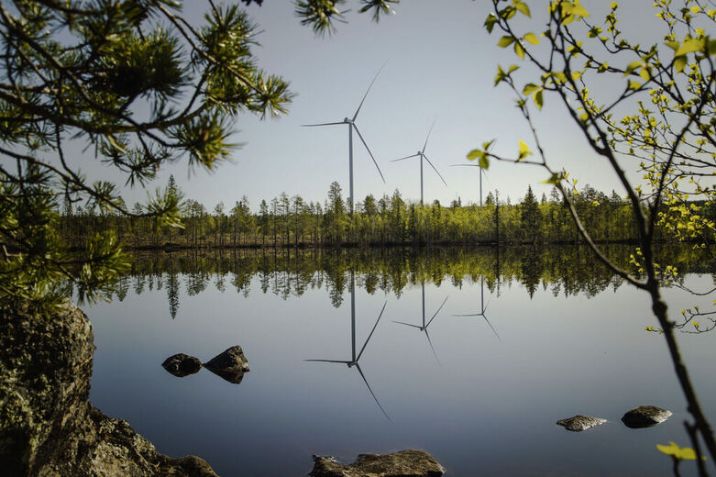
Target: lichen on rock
{"type": "Point", "coordinates": [580, 423]}
{"type": "Point", "coordinates": [47, 425]}
{"type": "Point", "coordinates": [645, 416]}
{"type": "Point", "coordinates": [406, 463]}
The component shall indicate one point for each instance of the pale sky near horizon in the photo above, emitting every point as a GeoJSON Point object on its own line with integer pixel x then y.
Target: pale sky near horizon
{"type": "Point", "coordinates": [440, 63]}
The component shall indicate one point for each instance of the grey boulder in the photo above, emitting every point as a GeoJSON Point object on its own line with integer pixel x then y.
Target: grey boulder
{"type": "Point", "coordinates": [181, 365]}
{"type": "Point", "coordinates": [645, 416]}
{"type": "Point", "coordinates": [406, 463]}
{"type": "Point", "coordinates": [580, 423]}
{"type": "Point", "coordinates": [230, 365]}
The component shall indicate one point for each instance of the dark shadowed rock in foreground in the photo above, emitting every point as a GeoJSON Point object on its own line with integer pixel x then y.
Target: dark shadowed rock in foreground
{"type": "Point", "coordinates": [181, 365]}
{"type": "Point", "coordinates": [230, 365]}
{"type": "Point", "coordinates": [406, 463]}
{"type": "Point", "coordinates": [580, 423]}
{"type": "Point", "coordinates": [645, 416]}
{"type": "Point", "coordinates": [47, 425]}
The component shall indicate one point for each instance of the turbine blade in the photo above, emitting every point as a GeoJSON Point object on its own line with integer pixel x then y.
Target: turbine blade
{"type": "Point", "coordinates": [404, 158]}
{"type": "Point", "coordinates": [438, 311]}
{"type": "Point", "coordinates": [375, 398]}
{"type": "Point", "coordinates": [367, 91]}
{"type": "Point", "coordinates": [326, 361]}
{"type": "Point", "coordinates": [471, 314]}
{"type": "Point", "coordinates": [435, 169]}
{"type": "Point", "coordinates": [428, 136]}
{"type": "Point", "coordinates": [321, 124]}
{"type": "Point", "coordinates": [371, 332]}
{"type": "Point", "coordinates": [407, 324]}
{"type": "Point", "coordinates": [369, 152]}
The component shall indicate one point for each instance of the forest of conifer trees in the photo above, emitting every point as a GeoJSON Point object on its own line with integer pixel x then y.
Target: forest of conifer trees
{"type": "Point", "coordinates": [389, 220]}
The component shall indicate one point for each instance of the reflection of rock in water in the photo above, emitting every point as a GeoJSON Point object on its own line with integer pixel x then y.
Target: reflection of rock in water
{"type": "Point", "coordinates": [645, 416]}
{"type": "Point", "coordinates": [230, 365]}
{"type": "Point", "coordinates": [181, 365]}
{"type": "Point", "coordinates": [580, 423]}
{"type": "Point", "coordinates": [407, 463]}
{"type": "Point", "coordinates": [47, 425]}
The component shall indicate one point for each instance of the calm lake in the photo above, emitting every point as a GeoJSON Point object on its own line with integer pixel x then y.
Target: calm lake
{"type": "Point", "coordinates": [550, 334]}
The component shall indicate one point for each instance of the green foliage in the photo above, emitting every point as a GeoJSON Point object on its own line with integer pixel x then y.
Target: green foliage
{"type": "Point", "coordinates": [322, 15]}
{"type": "Point", "coordinates": [659, 123]}
{"type": "Point", "coordinates": [670, 134]}
{"type": "Point", "coordinates": [382, 221]}
{"type": "Point", "coordinates": [138, 85]}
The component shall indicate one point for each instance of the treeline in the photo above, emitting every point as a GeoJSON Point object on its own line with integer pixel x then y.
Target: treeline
{"type": "Point", "coordinates": [389, 220]}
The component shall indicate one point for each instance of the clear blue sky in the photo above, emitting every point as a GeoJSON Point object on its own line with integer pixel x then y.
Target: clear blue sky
{"type": "Point", "coordinates": [440, 64]}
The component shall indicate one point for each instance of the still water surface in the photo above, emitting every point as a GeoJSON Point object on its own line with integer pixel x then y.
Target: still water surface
{"type": "Point", "coordinates": [549, 334]}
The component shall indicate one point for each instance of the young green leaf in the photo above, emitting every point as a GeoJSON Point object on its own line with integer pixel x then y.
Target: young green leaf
{"type": "Point", "coordinates": [505, 41]}
{"type": "Point", "coordinates": [490, 22]}
{"type": "Point", "coordinates": [531, 38]}
{"type": "Point", "coordinates": [523, 8]}
{"type": "Point", "coordinates": [524, 150]}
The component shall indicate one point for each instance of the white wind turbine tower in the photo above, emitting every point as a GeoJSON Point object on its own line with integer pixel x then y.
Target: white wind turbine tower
{"type": "Point", "coordinates": [480, 173]}
{"type": "Point", "coordinates": [423, 157]}
{"type": "Point", "coordinates": [350, 122]}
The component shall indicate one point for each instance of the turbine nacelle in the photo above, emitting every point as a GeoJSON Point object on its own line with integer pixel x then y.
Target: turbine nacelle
{"type": "Point", "coordinates": [353, 127]}
{"type": "Point", "coordinates": [421, 154]}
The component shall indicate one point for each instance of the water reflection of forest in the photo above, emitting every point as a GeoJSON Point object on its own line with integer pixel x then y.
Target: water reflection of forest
{"type": "Point", "coordinates": [564, 270]}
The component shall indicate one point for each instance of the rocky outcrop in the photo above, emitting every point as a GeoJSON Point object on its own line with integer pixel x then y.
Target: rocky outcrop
{"type": "Point", "coordinates": [580, 423]}
{"type": "Point", "coordinates": [47, 425]}
{"type": "Point", "coordinates": [181, 365]}
{"type": "Point", "coordinates": [230, 365]}
{"type": "Point", "coordinates": [645, 416]}
{"type": "Point", "coordinates": [406, 463]}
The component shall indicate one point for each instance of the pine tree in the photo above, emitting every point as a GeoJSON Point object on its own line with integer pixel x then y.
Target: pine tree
{"type": "Point", "coordinates": [531, 218]}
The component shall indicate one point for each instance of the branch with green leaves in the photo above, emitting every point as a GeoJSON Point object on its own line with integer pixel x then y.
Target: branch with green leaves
{"type": "Point", "coordinates": [669, 87]}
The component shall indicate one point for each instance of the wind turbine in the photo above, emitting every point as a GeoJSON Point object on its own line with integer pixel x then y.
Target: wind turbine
{"type": "Point", "coordinates": [423, 157]}
{"type": "Point", "coordinates": [480, 174]}
{"type": "Point", "coordinates": [483, 308]}
{"type": "Point", "coordinates": [353, 362]}
{"type": "Point", "coordinates": [351, 123]}
{"type": "Point", "coordinates": [424, 327]}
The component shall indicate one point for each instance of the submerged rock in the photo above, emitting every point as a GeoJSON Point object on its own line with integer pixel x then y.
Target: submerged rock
{"type": "Point", "coordinates": [230, 365]}
{"type": "Point", "coordinates": [645, 416]}
{"type": "Point", "coordinates": [580, 423]}
{"type": "Point", "coordinates": [181, 365]}
{"type": "Point", "coordinates": [406, 463]}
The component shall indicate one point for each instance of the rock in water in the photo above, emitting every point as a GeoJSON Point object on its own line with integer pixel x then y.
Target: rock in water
{"type": "Point", "coordinates": [580, 423]}
{"type": "Point", "coordinates": [406, 463]}
{"type": "Point", "coordinates": [645, 416]}
{"type": "Point", "coordinates": [181, 365]}
{"type": "Point", "coordinates": [230, 365]}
